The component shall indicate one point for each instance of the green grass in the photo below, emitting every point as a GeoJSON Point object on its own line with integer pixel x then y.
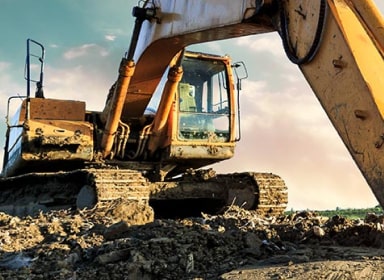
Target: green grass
{"type": "Point", "coordinates": [349, 213]}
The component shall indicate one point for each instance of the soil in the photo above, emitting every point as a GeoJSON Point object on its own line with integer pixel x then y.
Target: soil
{"type": "Point", "coordinates": [103, 243]}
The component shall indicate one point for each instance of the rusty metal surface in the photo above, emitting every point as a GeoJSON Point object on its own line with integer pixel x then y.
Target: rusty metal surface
{"type": "Point", "coordinates": [190, 150]}
{"type": "Point", "coordinates": [53, 109]}
{"type": "Point", "coordinates": [57, 140]}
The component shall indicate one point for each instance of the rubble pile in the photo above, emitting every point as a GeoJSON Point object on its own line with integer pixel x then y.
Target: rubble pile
{"type": "Point", "coordinates": [94, 244]}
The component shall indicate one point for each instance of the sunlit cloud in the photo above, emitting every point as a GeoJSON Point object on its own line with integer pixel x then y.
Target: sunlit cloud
{"type": "Point", "coordinates": [214, 47]}
{"type": "Point", "coordinates": [84, 50]}
{"type": "Point", "coordinates": [77, 83]}
{"type": "Point", "coordinates": [269, 43]}
{"type": "Point", "coordinates": [380, 5]}
{"type": "Point", "coordinates": [9, 88]}
{"type": "Point", "coordinates": [110, 37]}
{"type": "Point", "coordinates": [114, 31]}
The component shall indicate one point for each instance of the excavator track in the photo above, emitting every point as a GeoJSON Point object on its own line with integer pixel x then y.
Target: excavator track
{"type": "Point", "coordinates": [112, 184]}
{"type": "Point", "coordinates": [272, 194]}
{"type": "Point", "coordinates": [85, 188]}
{"type": "Point", "coordinates": [30, 193]}
{"type": "Point", "coordinates": [264, 192]}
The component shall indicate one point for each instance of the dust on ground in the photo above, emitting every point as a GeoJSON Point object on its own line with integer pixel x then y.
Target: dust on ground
{"type": "Point", "coordinates": [101, 243]}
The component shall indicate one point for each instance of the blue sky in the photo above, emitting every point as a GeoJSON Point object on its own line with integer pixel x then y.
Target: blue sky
{"type": "Point", "coordinates": [85, 40]}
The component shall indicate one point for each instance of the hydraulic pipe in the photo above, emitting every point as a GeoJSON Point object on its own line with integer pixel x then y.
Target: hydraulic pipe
{"type": "Point", "coordinates": [159, 123]}
{"type": "Point", "coordinates": [126, 70]}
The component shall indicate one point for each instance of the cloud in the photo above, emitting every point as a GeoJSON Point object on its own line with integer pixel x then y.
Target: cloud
{"type": "Point", "coordinates": [4, 65]}
{"type": "Point", "coordinates": [380, 5]}
{"type": "Point", "coordinates": [214, 47]}
{"type": "Point", "coordinates": [85, 50]}
{"type": "Point", "coordinates": [10, 88]}
{"type": "Point", "coordinates": [268, 43]}
{"type": "Point", "coordinates": [78, 83]}
{"type": "Point", "coordinates": [110, 37]}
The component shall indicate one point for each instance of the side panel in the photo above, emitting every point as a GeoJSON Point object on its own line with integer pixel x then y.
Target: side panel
{"type": "Point", "coordinates": [50, 140]}
{"type": "Point", "coordinates": [53, 109]}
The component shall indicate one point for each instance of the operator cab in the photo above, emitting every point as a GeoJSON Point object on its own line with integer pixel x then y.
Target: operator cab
{"type": "Point", "coordinates": [204, 101]}
{"type": "Point", "coordinates": [204, 122]}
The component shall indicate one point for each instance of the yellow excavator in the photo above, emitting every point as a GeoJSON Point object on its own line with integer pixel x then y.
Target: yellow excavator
{"type": "Point", "coordinates": [58, 154]}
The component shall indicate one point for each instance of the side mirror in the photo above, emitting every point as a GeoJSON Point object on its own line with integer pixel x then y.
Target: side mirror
{"type": "Point", "coordinates": [241, 73]}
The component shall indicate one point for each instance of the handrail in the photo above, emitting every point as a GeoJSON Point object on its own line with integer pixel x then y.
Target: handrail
{"type": "Point", "coordinates": [27, 70]}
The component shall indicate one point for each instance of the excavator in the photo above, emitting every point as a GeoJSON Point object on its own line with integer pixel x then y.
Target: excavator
{"type": "Point", "coordinates": [58, 154]}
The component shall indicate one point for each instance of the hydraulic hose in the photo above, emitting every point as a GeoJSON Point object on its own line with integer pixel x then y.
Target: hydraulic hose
{"type": "Point", "coordinates": [287, 44]}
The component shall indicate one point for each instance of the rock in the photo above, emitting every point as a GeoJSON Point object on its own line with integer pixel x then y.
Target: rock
{"type": "Point", "coordinates": [86, 198]}
{"type": "Point", "coordinates": [318, 231]}
{"type": "Point", "coordinates": [113, 256]}
{"type": "Point", "coordinates": [133, 212]}
{"type": "Point", "coordinates": [116, 230]}
{"type": "Point", "coordinates": [190, 266]}
{"type": "Point", "coordinates": [15, 261]}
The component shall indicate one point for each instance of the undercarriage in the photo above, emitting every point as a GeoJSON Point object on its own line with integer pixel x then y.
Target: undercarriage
{"type": "Point", "coordinates": [194, 192]}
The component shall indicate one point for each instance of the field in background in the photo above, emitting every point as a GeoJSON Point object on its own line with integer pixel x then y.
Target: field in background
{"type": "Point", "coordinates": [347, 213]}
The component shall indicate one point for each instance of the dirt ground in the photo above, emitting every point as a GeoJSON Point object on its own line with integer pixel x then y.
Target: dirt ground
{"type": "Point", "coordinates": [102, 244]}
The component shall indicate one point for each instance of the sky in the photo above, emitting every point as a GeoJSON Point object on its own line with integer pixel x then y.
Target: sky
{"type": "Point", "coordinates": [284, 129]}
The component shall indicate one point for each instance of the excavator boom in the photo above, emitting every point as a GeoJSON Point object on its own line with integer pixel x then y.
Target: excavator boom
{"type": "Point", "coordinates": [177, 25]}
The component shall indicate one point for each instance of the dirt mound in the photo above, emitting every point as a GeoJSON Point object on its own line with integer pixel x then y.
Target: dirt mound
{"type": "Point", "coordinates": [239, 244]}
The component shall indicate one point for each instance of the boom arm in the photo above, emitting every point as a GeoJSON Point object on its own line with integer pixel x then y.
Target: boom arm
{"type": "Point", "coordinates": [182, 23]}
{"type": "Point", "coordinates": [338, 44]}
{"type": "Point", "coordinates": [347, 78]}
